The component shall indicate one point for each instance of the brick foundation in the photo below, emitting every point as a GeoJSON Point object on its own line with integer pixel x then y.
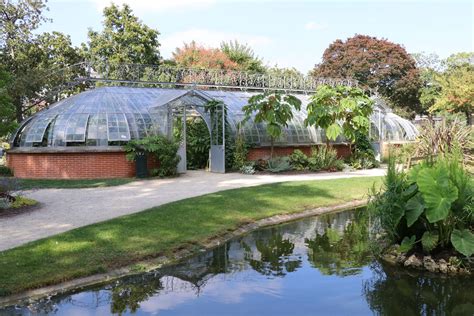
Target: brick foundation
{"type": "Point", "coordinates": [343, 151]}
{"type": "Point", "coordinates": [75, 165]}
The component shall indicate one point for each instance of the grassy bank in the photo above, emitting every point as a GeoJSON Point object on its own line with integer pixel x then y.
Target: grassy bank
{"type": "Point", "coordinates": [28, 184]}
{"type": "Point", "coordinates": [160, 230]}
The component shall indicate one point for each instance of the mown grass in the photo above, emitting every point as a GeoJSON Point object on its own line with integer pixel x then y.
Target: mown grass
{"type": "Point", "coordinates": [28, 184]}
{"type": "Point", "coordinates": [161, 230]}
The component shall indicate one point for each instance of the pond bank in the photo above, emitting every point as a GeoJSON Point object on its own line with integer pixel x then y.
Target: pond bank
{"type": "Point", "coordinates": [159, 262]}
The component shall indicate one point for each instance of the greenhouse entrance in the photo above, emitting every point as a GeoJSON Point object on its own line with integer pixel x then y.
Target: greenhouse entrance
{"type": "Point", "coordinates": [194, 105]}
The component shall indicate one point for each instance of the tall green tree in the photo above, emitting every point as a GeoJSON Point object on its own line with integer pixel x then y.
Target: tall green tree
{"type": "Point", "coordinates": [7, 110]}
{"type": "Point", "coordinates": [340, 110]}
{"type": "Point", "coordinates": [376, 64]}
{"type": "Point", "coordinates": [124, 39]}
{"type": "Point", "coordinates": [243, 55]}
{"type": "Point", "coordinates": [275, 109]}
{"type": "Point", "coordinates": [429, 66]}
{"type": "Point", "coordinates": [31, 59]}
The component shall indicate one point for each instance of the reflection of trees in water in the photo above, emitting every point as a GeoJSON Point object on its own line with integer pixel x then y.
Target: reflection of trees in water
{"type": "Point", "coordinates": [127, 295]}
{"type": "Point", "coordinates": [397, 291]}
{"type": "Point", "coordinates": [275, 254]}
{"type": "Point", "coordinates": [341, 252]}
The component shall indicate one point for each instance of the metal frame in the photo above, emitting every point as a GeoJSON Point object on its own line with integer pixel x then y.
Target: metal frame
{"type": "Point", "coordinates": [89, 72]}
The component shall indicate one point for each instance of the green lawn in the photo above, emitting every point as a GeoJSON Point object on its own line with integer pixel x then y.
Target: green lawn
{"type": "Point", "coordinates": [160, 230]}
{"type": "Point", "coordinates": [27, 184]}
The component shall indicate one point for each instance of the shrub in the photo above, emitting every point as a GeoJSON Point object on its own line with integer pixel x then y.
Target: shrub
{"type": "Point", "coordinates": [7, 187]}
{"type": "Point", "coordinates": [324, 158]}
{"type": "Point", "coordinates": [446, 137]}
{"type": "Point", "coordinates": [298, 160]}
{"type": "Point", "coordinates": [363, 156]}
{"type": "Point", "coordinates": [247, 169]}
{"type": "Point", "coordinates": [240, 152]}
{"type": "Point", "coordinates": [260, 164]}
{"type": "Point", "coordinates": [279, 164]}
{"type": "Point", "coordinates": [429, 208]}
{"type": "Point", "coordinates": [5, 171]}
{"type": "Point", "coordinates": [164, 150]}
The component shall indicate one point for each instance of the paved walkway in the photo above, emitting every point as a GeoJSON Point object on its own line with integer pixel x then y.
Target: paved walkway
{"type": "Point", "coordinates": [66, 209]}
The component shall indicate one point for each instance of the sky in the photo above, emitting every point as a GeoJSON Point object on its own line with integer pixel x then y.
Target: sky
{"type": "Point", "coordinates": [284, 33]}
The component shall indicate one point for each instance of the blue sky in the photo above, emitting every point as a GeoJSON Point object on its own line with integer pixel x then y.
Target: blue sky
{"type": "Point", "coordinates": [287, 33]}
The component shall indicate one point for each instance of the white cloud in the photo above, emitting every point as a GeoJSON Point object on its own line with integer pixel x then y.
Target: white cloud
{"type": "Point", "coordinates": [210, 38]}
{"type": "Point", "coordinates": [156, 5]}
{"type": "Point", "coordinates": [313, 26]}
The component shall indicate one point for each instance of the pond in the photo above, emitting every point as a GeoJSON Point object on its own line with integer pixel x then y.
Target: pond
{"type": "Point", "coordinates": [316, 266]}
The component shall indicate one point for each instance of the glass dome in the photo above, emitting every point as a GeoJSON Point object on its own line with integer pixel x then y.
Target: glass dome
{"type": "Point", "coordinates": [111, 116]}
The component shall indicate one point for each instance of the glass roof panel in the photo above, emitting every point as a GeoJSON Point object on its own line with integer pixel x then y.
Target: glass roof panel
{"type": "Point", "coordinates": [124, 113]}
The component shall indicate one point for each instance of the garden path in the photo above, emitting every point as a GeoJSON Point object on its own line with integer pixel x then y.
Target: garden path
{"type": "Point", "coordinates": [65, 209]}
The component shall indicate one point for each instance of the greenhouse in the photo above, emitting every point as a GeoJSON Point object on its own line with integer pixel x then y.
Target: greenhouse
{"type": "Point", "coordinates": [101, 120]}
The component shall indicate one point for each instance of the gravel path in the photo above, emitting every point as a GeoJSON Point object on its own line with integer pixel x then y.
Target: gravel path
{"type": "Point", "coordinates": [66, 209]}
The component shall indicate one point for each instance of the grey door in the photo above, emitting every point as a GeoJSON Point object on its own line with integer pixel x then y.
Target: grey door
{"type": "Point", "coordinates": [217, 132]}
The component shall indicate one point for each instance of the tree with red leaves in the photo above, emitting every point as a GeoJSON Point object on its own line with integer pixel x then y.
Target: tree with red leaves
{"type": "Point", "coordinates": [376, 64]}
{"type": "Point", "coordinates": [196, 56]}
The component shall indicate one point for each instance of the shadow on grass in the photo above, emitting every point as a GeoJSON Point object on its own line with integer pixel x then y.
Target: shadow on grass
{"type": "Point", "coordinates": [128, 239]}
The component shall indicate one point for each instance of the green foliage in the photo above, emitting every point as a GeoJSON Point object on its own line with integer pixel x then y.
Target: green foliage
{"type": "Point", "coordinates": [5, 171]}
{"type": "Point", "coordinates": [463, 241]}
{"type": "Point", "coordinates": [429, 203]}
{"type": "Point", "coordinates": [437, 190]}
{"type": "Point", "coordinates": [324, 158]}
{"type": "Point", "coordinates": [407, 244]}
{"type": "Point", "coordinates": [30, 58]}
{"type": "Point", "coordinates": [241, 151]}
{"type": "Point", "coordinates": [363, 156]}
{"type": "Point", "coordinates": [340, 111]}
{"type": "Point", "coordinates": [429, 240]}
{"type": "Point", "coordinates": [124, 39]}
{"type": "Point", "coordinates": [275, 109]}
{"type": "Point", "coordinates": [298, 160]}
{"type": "Point", "coordinates": [198, 144]}
{"type": "Point", "coordinates": [243, 55]}
{"type": "Point", "coordinates": [163, 149]}
{"type": "Point", "coordinates": [341, 253]}
{"type": "Point", "coordinates": [7, 109]}
{"type": "Point", "coordinates": [279, 164]}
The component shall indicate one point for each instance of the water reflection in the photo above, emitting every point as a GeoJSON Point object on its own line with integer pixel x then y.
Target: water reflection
{"type": "Point", "coordinates": [341, 250]}
{"type": "Point", "coordinates": [320, 264]}
{"type": "Point", "coordinates": [394, 291]}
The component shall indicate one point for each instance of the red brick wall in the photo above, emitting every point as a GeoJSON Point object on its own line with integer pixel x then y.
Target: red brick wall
{"type": "Point", "coordinates": [343, 151]}
{"type": "Point", "coordinates": [81, 165]}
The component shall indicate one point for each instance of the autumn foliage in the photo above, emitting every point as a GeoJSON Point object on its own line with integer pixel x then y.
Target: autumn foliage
{"type": "Point", "coordinates": [377, 64]}
{"type": "Point", "coordinates": [196, 56]}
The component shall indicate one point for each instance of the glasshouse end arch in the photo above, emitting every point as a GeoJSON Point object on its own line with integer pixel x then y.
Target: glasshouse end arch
{"type": "Point", "coordinates": [82, 136]}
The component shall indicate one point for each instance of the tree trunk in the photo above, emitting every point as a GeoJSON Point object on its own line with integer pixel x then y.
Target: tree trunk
{"type": "Point", "coordinates": [271, 147]}
{"type": "Point", "coordinates": [468, 118]}
{"type": "Point", "coordinates": [18, 110]}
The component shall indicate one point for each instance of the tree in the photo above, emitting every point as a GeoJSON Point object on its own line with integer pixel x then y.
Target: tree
{"type": "Point", "coordinates": [193, 55]}
{"type": "Point", "coordinates": [243, 55]}
{"type": "Point", "coordinates": [275, 109]}
{"type": "Point", "coordinates": [7, 110]}
{"type": "Point", "coordinates": [340, 110]}
{"type": "Point", "coordinates": [457, 86]}
{"type": "Point", "coordinates": [28, 58]}
{"type": "Point", "coordinates": [429, 65]}
{"type": "Point", "coordinates": [124, 39]}
{"type": "Point", "coordinates": [284, 72]}
{"type": "Point", "coordinates": [375, 64]}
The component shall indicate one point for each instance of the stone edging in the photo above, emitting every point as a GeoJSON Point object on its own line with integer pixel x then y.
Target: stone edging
{"type": "Point", "coordinates": [161, 261]}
